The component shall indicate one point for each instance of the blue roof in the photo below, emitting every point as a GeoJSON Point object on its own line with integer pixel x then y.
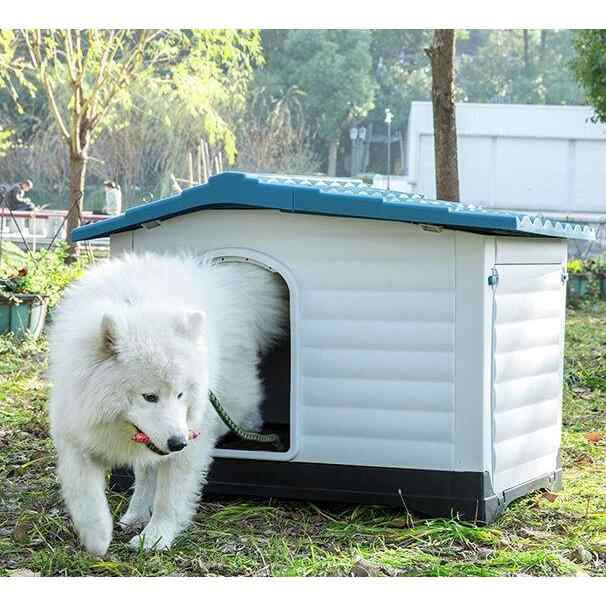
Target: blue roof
{"type": "Point", "coordinates": [340, 198]}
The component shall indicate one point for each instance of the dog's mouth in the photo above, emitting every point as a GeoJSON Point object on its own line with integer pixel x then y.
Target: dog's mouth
{"type": "Point", "coordinates": [140, 437]}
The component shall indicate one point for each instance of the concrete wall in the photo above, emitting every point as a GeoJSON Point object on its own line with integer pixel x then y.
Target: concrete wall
{"type": "Point", "coordinates": [545, 159]}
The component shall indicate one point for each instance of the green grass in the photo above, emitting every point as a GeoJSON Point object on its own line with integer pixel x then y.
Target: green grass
{"type": "Point", "coordinates": [245, 537]}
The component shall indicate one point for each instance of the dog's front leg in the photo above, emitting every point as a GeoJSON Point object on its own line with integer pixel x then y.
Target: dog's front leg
{"type": "Point", "coordinates": [141, 503]}
{"type": "Point", "coordinates": [178, 486]}
{"type": "Point", "coordinates": [83, 486]}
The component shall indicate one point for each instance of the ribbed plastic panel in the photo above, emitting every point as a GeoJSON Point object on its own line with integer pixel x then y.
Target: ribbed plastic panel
{"type": "Point", "coordinates": [374, 329]}
{"type": "Point", "coordinates": [377, 348]}
{"type": "Point", "coordinates": [527, 372]}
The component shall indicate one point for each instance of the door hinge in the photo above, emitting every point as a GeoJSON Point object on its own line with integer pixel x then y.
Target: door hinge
{"type": "Point", "coordinates": [493, 278]}
{"type": "Point", "coordinates": [435, 229]}
{"type": "Point", "coordinates": [151, 224]}
{"type": "Point", "coordinates": [564, 276]}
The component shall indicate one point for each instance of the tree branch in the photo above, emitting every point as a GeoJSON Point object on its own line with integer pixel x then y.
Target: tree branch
{"type": "Point", "coordinates": [35, 49]}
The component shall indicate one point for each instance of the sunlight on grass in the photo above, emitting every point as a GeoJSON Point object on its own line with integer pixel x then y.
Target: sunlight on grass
{"type": "Point", "coordinates": [261, 537]}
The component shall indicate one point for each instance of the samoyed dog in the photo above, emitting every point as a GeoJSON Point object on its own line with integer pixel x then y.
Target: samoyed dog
{"type": "Point", "coordinates": [134, 348]}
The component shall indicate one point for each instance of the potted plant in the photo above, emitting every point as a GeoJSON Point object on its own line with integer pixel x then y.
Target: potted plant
{"type": "Point", "coordinates": [22, 311]}
{"type": "Point", "coordinates": [31, 285]}
{"type": "Point", "coordinates": [578, 279]}
{"type": "Point", "coordinates": [600, 274]}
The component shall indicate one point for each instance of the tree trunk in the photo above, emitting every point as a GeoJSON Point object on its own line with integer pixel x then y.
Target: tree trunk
{"type": "Point", "coordinates": [403, 158]}
{"type": "Point", "coordinates": [332, 159]}
{"type": "Point", "coordinates": [366, 156]}
{"type": "Point", "coordinates": [543, 46]}
{"type": "Point", "coordinates": [77, 175]}
{"type": "Point", "coordinates": [441, 55]}
{"type": "Point", "coordinates": [526, 52]}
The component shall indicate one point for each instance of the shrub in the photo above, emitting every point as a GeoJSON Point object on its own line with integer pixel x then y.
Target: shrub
{"type": "Point", "coordinates": [576, 266]}
{"type": "Point", "coordinates": [43, 273]}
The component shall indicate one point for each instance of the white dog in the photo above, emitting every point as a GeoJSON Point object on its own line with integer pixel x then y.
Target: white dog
{"type": "Point", "coordinates": [134, 347]}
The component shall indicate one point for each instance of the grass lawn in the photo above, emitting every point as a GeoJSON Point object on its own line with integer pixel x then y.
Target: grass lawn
{"type": "Point", "coordinates": [538, 535]}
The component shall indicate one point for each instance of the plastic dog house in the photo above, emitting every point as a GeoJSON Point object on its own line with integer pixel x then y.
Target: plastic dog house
{"type": "Point", "coordinates": [424, 364]}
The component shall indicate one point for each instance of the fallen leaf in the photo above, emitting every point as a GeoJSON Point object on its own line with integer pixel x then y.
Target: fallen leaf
{"type": "Point", "coordinates": [594, 436]}
{"type": "Point", "coordinates": [21, 531]}
{"type": "Point", "coordinates": [550, 496]}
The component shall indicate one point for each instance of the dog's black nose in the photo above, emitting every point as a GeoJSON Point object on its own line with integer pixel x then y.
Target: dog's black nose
{"type": "Point", "coordinates": [176, 443]}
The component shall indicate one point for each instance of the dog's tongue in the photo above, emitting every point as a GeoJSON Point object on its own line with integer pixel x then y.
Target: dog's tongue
{"type": "Point", "coordinates": [143, 438]}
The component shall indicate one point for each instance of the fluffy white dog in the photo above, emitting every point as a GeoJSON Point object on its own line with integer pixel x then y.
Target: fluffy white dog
{"type": "Point", "coordinates": [134, 348]}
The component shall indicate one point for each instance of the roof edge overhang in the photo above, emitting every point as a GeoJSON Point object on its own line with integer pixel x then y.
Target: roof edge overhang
{"type": "Point", "coordinates": [234, 190]}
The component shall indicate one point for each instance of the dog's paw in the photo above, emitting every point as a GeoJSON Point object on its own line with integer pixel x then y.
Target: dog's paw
{"type": "Point", "coordinates": [134, 519]}
{"type": "Point", "coordinates": [152, 538]}
{"type": "Point", "coordinates": [96, 543]}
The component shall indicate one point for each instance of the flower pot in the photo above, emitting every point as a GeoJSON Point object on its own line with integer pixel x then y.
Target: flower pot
{"type": "Point", "coordinates": [577, 285]}
{"type": "Point", "coordinates": [24, 316]}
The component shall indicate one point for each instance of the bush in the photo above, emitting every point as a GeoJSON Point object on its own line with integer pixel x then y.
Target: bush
{"type": "Point", "coordinates": [43, 273]}
{"type": "Point", "coordinates": [576, 266]}
{"type": "Point", "coordinates": [273, 138]}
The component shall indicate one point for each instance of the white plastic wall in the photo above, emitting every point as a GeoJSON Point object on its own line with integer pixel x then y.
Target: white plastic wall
{"type": "Point", "coordinates": [373, 327]}
{"type": "Point", "coordinates": [537, 158]}
{"type": "Point", "coordinates": [528, 341]}
{"type": "Point", "coordinates": [393, 337]}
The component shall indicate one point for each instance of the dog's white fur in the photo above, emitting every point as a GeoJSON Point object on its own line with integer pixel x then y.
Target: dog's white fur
{"type": "Point", "coordinates": [162, 325]}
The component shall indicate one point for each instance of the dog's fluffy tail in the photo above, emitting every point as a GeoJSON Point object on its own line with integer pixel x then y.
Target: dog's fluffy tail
{"type": "Point", "coordinates": [261, 293]}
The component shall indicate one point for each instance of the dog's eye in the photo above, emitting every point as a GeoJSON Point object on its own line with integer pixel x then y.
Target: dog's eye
{"type": "Point", "coordinates": [150, 397]}
{"type": "Point", "coordinates": [179, 395]}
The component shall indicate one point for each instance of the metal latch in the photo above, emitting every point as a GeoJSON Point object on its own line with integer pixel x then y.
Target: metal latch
{"type": "Point", "coordinates": [493, 278]}
{"type": "Point", "coordinates": [564, 276]}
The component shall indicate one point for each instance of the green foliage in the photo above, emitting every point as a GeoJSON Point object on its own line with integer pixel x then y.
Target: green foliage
{"type": "Point", "coordinates": [43, 273]}
{"type": "Point", "coordinates": [333, 70]}
{"type": "Point", "coordinates": [576, 266]}
{"type": "Point", "coordinates": [276, 538]}
{"type": "Point", "coordinates": [273, 136]}
{"type": "Point", "coordinates": [590, 67]}
{"type": "Point", "coordinates": [195, 83]}
{"type": "Point", "coordinates": [501, 69]}
{"type": "Point", "coordinates": [402, 72]}
{"type": "Point", "coordinates": [116, 84]}
{"type": "Point", "coordinates": [210, 78]}
{"type": "Point", "coordinates": [491, 65]}
{"type": "Point", "coordinates": [171, 108]}
{"type": "Point", "coordinates": [5, 140]}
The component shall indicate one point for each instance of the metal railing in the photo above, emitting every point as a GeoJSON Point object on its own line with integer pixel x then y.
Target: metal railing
{"type": "Point", "coordinates": [40, 226]}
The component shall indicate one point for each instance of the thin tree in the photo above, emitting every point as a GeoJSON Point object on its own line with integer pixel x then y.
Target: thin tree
{"type": "Point", "coordinates": [83, 73]}
{"type": "Point", "coordinates": [441, 55]}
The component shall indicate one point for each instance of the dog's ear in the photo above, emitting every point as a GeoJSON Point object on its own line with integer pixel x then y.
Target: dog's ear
{"type": "Point", "coordinates": [108, 346]}
{"type": "Point", "coordinates": [190, 324]}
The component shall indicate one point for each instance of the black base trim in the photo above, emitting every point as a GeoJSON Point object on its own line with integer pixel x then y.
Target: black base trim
{"type": "Point", "coordinates": [432, 493]}
{"type": "Point", "coordinates": [468, 495]}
